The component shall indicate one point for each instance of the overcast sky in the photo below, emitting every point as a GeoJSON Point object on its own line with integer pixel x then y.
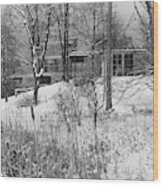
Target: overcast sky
{"type": "Point", "coordinates": [125, 11]}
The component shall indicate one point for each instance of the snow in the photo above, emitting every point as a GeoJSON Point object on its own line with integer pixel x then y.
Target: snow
{"type": "Point", "coordinates": [126, 131]}
{"type": "Point", "coordinates": [127, 92]}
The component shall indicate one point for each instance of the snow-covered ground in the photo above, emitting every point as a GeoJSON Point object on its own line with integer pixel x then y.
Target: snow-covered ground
{"type": "Point", "coordinates": [126, 92]}
{"type": "Point", "coordinates": [130, 95]}
{"type": "Point", "coordinates": [127, 132]}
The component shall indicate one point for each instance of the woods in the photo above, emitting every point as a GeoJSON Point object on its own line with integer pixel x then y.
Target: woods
{"type": "Point", "coordinates": [147, 28]}
{"type": "Point", "coordinates": [37, 53]}
{"type": "Point", "coordinates": [108, 63]}
{"type": "Point", "coordinates": [77, 90]}
{"type": "Point", "coordinates": [38, 45]}
{"type": "Point", "coordinates": [8, 52]}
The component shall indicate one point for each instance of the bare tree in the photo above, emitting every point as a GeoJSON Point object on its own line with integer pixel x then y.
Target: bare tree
{"type": "Point", "coordinates": [147, 26]}
{"type": "Point", "coordinates": [150, 10]}
{"type": "Point", "coordinates": [108, 73]}
{"type": "Point", "coordinates": [94, 37]}
{"type": "Point", "coordinates": [8, 52]}
{"type": "Point", "coordinates": [65, 59]}
{"type": "Point", "coordinates": [61, 14]}
{"type": "Point", "coordinates": [4, 69]}
{"type": "Point", "coordinates": [59, 17]}
{"type": "Point", "coordinates": [38, 47]}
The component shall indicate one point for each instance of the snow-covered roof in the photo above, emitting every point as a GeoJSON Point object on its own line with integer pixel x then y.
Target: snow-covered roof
{"type": "Point", "coordinates": [53, 57]}
{"type": "Point", "coordinates": [129, 50]}
{"type": "Point", "coordinates": [78, 53]}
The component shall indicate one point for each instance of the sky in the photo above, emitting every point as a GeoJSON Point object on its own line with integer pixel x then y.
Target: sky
{"type": "Point", "coordinates": [125, 11]}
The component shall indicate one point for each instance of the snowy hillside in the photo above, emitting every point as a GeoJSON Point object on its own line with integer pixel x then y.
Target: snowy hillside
{"type": "Point", "coordinates": [125, 135]}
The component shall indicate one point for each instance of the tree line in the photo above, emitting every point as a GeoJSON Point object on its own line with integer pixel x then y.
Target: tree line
{"type": "Point", "coordinates": [26, 31]}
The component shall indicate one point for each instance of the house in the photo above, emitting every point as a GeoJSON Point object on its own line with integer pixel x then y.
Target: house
{"type": "Point", "coordinates": [24, 83]}
{"type": "Point", "coordinates": [80, 64]}
{"type": "Point", "coordinates": [17, 80]}
{"type": "Point", "coordinates": [53, 64]}
{"type": "Point", "coordinates": [125, 62]}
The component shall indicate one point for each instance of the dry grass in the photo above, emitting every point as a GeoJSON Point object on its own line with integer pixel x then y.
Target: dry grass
{"type": "Point", "coordinates": [64, 142]}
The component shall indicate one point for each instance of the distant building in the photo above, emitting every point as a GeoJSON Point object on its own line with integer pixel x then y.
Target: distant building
{"type": "Point", "coordinates": [17, 80]}
{"type": "Point", "coordinates": [53, 64]}
{"type": "Point", "coordinates": [80, 64]}
{"type": "Point", "coordinates": [125, 62]}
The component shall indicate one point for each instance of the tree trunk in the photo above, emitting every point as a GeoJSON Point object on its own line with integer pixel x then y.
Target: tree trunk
{"type": "Point", "coordinates": [36, 88]}
{"type": "Point", "coordinates": [108, 75]}
{"type": "Point", "coordinates": [65, 59]}
{"type": "Point", "coordinates": [36, 72]}
{"type": "Point", "coordinates": [93, 41]}
{"type": "Point", "coordinates": [38, 51]}
{"type": "Point", "coordinates": [150, 10]}
{"type": "Point", "coordinates": [67, 28]}
{"type": "Point", "coordinates": [6, 74]}
{"type": "Point", "coordinates": [60, 38]}
{"type": "Point", "coordinates": [6, 91]}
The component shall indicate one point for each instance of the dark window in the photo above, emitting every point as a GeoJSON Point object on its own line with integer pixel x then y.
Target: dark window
{"type": "Point", "coordinates": [128, 63]}
{"type": "Point", "coordinates": [18, 81]}
{"type": "Point", "coordinates": [45, 80]}
{"type": "Point", "coordinates": [56, 65]}
{"type": "Point", "coordinates": [117, 64]}
{"type": "Point", "coordinates": [52, 66]}
{"type": "Point", "coordinates": [77, 59]}
{"type": "Point", "coordinates": [45, 68]}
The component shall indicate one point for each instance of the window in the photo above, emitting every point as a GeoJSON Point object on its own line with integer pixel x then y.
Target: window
{"type": "Point", "coordinates": [56, 65]}
{"type": "Point", "coordinates": [46, 68]}
{"type": "Point", "coordinates": [45, 80]}
{"type": "Point", "coordinates": [18, 81]}
{"type": "Point", "coordinates": [117, 64]}
{"type": "Point", "coordinates": [128, 63]}
{"type": "Point", "coordinates": [77, 59]}
{"type": "Point", "coordinates": [52, 66]}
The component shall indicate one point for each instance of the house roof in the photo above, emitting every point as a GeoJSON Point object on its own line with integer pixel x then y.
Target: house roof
{"type": "Point", "coordinates": [53, 57]}
{"type": "Point", "coordinates": [79, 54]}
{"type": "Point", "coordinates": [129, 50]}
{"type": "Point", "coordinates": [101, 42]}
{"type": "Point", "coordinates": [15, 76]}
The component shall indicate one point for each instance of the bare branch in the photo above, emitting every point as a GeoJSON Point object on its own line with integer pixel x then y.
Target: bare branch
{"type": "Point", "coordinates": [24, 59]}
{"type": "Point", "coordinates": [46, 37]}
{"type": "Point", "coordinates": [29, 35]}
{"type": "Point", "coordinates": [19, 10]}
{"type": "Point", "coordinates": [128, 24]}
{"type": "Point", "coordinates": [139, 14]}
{"type": "Point", "coordinates": [29, 13]}
{"type": "Point", "coordinates": [60, 35]}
